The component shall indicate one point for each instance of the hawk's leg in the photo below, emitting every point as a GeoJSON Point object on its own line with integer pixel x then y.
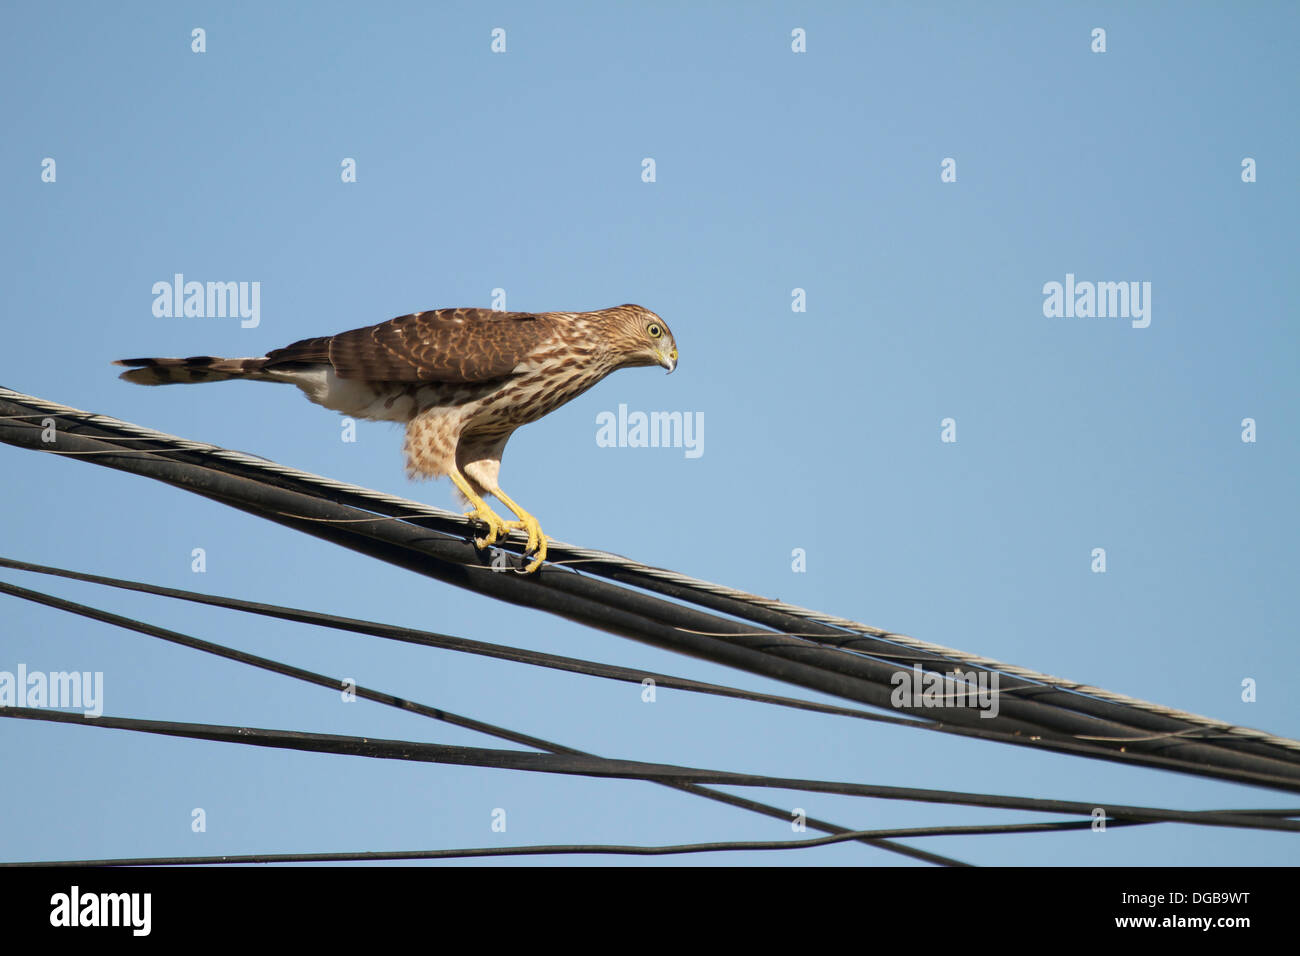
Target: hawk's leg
{"type": "Point", "coordinates": [536, 539]}
{"type": "Point", "coordinates": [479, 458]}
{"type": "Point", "coordinates": [498, 527]}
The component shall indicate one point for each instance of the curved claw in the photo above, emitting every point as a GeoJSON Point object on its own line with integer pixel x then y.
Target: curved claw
{"type": "Point", "coordinates": [536, 540]}
{"type": "Point", "coordinates": [498, 527]}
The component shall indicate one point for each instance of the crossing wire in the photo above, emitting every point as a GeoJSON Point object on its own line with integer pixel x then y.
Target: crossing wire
{"type": "Point", "coordinates": [435, 713]}
{"type": "Point", "coordinates": [819, 651]}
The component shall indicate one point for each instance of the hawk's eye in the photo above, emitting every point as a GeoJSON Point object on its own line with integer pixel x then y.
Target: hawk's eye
{"type": "Point", "coordinates": [654, 331]}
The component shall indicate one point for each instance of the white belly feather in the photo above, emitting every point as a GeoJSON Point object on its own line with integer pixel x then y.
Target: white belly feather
{"type": "Point", "coordinates": [359, 399]}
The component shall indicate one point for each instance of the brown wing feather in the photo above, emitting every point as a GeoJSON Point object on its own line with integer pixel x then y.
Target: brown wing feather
{"type": "Point", "coordinates": [449, 345]}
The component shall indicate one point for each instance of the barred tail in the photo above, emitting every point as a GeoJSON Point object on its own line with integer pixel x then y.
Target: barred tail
{"type": "Point", "coordinates": [183, 371]}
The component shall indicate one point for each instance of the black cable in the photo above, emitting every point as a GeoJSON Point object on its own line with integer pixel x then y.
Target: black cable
{"type": "Point", "coordinates": [643, 618]}
{"type": "Point", "coordinates": [374, 856]}
{"type": "Point", "coordinates": [391, 700]}
{"type": "Point", "coordinates": [877, 645]}
{"type": "Point", "coordinates": [450, 642]}
{"type": "Point", "coordinates": [433, 639]}
{"type": "Point", "coordinates": [585, 765]}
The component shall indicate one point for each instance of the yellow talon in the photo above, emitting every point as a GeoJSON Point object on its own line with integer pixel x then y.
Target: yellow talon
{"type": "Point", "coordinates": [481, 512]}
{"type": "Point", "coordinates": [537, 561]}
{"type": "Point", "coordinates": [536, 539]}
{"type": "Point", "coordinates": [498, 527]}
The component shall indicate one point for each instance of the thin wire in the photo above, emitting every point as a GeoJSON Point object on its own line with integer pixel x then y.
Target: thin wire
{"type": "Point", "coordinates": [587, 765]}
{"type": "Point", "coordinates": [584, 849]}
{"type": "Point", "coordinates": [423, 710]}
{"type": "Point", "coordinates": [453, 643]}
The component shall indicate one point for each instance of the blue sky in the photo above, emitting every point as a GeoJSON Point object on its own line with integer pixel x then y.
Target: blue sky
{"type": "Point", "coordinates": [775, 171]}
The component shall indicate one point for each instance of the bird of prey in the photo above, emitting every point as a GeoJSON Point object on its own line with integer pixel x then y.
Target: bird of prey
{"type": "Point", "coordinates": [462, 380]}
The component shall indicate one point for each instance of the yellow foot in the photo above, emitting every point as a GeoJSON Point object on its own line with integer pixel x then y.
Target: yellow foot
{"type": "Point", "coordinates": [498, 527]}
{"type": "Point", "coordinates": [536, 539]}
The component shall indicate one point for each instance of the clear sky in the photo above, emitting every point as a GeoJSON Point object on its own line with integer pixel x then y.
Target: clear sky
{"type": "Point", "coordinates": [774, 171]}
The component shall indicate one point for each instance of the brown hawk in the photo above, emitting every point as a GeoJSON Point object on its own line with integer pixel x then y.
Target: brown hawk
{"type": "Point", "coordinates": [461, 379]}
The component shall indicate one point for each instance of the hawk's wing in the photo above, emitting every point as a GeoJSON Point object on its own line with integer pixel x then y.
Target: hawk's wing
{"type": "Point", "coordinates": [449, 345]}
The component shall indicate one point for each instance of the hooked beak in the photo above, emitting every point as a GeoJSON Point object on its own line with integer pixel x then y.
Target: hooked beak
{"type": "Point", "coordinates": [668, 360]}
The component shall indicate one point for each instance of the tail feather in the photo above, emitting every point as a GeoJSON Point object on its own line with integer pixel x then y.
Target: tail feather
{"type": "Point", "coordinates": [183, 371]}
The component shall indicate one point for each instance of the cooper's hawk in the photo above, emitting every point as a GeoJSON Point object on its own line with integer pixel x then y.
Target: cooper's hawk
{"type": "Point", "coordinates": [462, 379]}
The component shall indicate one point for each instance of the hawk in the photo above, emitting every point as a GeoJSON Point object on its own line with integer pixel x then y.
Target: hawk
{"type": "Point", "coordinates": [462, 380]}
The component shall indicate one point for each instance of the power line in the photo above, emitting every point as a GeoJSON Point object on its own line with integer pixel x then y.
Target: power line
{"type": "Point", "coordinates": [1035, 711]}
{"type": "Point", "coordinates": [391, 700]}
{"type": "Point", "coordinates": [407, 705]}
{"type": "Point", "coordinates": [784, 617]}
{"type": "Point", "coordinates": [424, 638]}
{"type": "Point", "coordinates": [520, 655]}
{"type": "Point", "coordinates": [376, 856]}
{"type": "Point", "coordinates": [587, 765]}
{"type": "Point", "coordinates": [807, 648]}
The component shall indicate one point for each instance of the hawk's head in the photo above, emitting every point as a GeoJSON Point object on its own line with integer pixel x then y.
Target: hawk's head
{"type": "Point", "coordinates": [640, 337]}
